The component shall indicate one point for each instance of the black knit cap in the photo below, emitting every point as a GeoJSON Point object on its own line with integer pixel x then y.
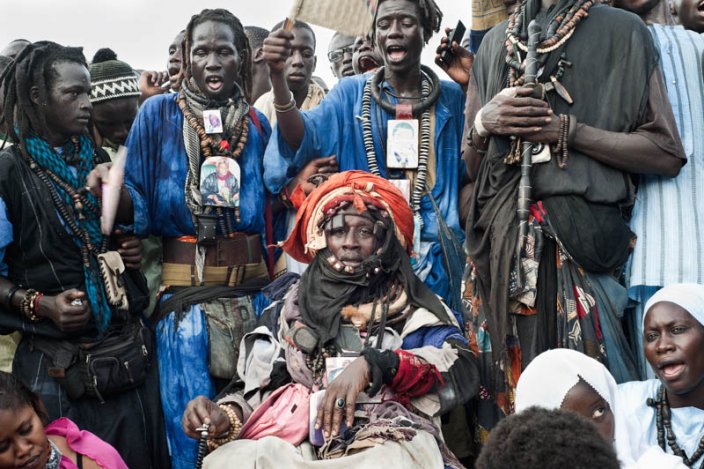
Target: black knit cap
{"type": "Point", "coordinates": [111, 78]}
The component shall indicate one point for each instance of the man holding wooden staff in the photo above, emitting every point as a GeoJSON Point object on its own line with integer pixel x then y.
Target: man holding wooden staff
{"type": "Point", "coordinates": [598, 116]}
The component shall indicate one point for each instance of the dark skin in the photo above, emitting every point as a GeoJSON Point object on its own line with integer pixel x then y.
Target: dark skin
{"type": "Point", "coordinates": [459, 62]}
{"type": "Point", "coordinates": [113, 119]}
{"type": "Point", "coordinates": [215, 61]}
{"type": "Point", "coordinates": [691, 15]}
{"type": "Point", "coordinates": [673, 344]}
{"type": "Point", "coordinates": [582, 399]}
{"type": "Point", "coordinates": [300, 65]}
{"type": "Point", "coordinates": [151, 83]}
{"type": "Point", "coordinates": [342, 42]}
{"type": "Point", "coordinates": [650, 11]}
{"type": "Point", "coordinates": [364, 55]}
{"type": "Point", "coordinates": [173, 65]}
{"type": "Point", "coordinates": [351, 244]}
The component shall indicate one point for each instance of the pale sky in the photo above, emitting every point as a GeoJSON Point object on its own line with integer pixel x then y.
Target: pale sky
{"type": "Point", "coordinates": [140, 31]}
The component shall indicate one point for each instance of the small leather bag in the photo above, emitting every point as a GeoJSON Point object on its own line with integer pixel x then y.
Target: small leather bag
{"type": "Point", "coordinates": [111, 270]}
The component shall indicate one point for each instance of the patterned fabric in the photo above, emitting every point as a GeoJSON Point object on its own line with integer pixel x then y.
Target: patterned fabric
{"type": "Point", "coordinates": [49, 159]}
{"type": "Point", "coordinates": [668, 216]}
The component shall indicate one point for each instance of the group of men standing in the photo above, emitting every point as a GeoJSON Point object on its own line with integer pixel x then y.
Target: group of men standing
{"type": "Point", "coordinates": [562, 247]}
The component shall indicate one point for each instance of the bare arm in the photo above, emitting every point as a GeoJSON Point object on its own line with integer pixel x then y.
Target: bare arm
{"type": "Point", "coordinates": [276, 49]}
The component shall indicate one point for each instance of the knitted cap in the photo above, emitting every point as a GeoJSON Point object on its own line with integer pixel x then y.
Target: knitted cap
{"type": "Point", "coordinates": [111, 78]}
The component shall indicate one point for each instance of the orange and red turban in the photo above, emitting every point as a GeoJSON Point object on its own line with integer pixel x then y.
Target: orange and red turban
{"type": "Point", "coordinates": [361, 189]}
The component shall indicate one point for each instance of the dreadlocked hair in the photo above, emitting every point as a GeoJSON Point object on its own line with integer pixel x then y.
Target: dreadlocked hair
{"type": "Point", "coordinates": [33, 67]}
{"type": "Point", "coordinates": [14, 394]}
{"type": "Point", "coordinates": [431, 17]}
{"type": "Point", "coordinates": [241, 44]}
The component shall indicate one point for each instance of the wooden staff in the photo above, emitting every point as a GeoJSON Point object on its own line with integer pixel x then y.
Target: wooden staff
{"type": "Point", "coordinates": [524, 188]}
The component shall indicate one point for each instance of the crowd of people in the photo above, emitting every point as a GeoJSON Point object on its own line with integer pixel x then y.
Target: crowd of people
{"type": "Point", "coordinates": [502, 267]}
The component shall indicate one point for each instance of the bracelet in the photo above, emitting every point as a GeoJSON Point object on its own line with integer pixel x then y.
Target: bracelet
{"type": "Point", "coordinates": [232, 434]}
{"type": "Point", "coordinates": [560, 148]}
{"type": "Point", "coordinates": [28, 301]}
{"type": "Point", "coordinates": [289, 106]}
{"type": "Point", "coordinates": [479, 125]}
{"type": "Point", "coordinates": [10, 295]}
{"type": "Point", "coordinates": [35, 303]}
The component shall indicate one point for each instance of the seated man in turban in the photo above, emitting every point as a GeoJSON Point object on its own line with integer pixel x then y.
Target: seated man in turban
{"type": "Point", "coordinates": [358, 298]}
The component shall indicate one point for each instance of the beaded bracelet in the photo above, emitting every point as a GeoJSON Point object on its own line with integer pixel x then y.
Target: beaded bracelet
{"type": "Point", "coordinates": [560, 149]}
{"type": "Point", "coordinates": [233, 432]}
{"type": "Point", "coordinates": [28, 303]}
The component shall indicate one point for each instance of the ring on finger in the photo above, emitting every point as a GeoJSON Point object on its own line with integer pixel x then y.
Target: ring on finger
{"type": "Point", "coordinates": [340, 403]}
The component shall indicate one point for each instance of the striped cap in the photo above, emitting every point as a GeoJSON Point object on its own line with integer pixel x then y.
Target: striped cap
{"type": "Point", "coordinates": [111, 78]}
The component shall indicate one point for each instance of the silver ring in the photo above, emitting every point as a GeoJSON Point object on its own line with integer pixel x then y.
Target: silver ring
{"type": "Point", "coordinates": [340, 403]}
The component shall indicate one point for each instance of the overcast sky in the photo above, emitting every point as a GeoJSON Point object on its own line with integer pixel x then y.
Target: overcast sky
{"type": "Point", "coordinates": [140, 31]}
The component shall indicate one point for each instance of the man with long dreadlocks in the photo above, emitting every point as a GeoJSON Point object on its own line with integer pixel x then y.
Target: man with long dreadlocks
{"type": "Point", "coordinates": [84, 349]}
{"type": "Point", "coordinates": [353, 121]}
{"type": "Point", "coordinates": [598, 114]}
{"type": "Point", "coordinates": [358, 299]}
{"type": "Point", "coordinates": [214, 253]}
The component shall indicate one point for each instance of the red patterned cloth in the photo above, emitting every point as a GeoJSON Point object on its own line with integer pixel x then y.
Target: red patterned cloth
{"type": "Point", "coordinates": [415, 377]}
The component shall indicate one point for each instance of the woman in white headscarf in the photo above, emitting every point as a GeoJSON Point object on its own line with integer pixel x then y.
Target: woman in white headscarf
{"type": "Point", "coordinates": [669, 411]}
{"type": "Point", "coordinates": [569, 380]}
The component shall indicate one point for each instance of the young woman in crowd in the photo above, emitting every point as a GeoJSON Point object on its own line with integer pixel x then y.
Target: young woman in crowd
{"type": "Point", "coordinates": [359, 298]}
{"type": "Point", "coordinates": [580, 384]}
{"type": "Point", "coordinates": [28, 441]}
{"type": "Point", "coordinates": [670, 410]}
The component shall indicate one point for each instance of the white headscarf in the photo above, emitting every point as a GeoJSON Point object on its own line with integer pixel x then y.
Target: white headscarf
{"type": "Point", "coordinates": [550, 376]}
{"type": "Point", "coordinates": [688, 296]}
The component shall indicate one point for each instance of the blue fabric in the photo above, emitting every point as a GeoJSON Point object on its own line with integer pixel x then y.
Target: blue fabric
{"type": "Point", "coordinates": [183, 374]}
{"type": "Point", "coordinates": [333, 128]}
{"type": "Point", "coordinates": [155, 173]}
{"type": "Point", "coordinates": [433, 336]}
{"type": "Point", "coordinates": [75, 177]}
{"type": "Point", "coordinates": [6, 236]}
{"type": "Point", "coordinates": [475, 39]}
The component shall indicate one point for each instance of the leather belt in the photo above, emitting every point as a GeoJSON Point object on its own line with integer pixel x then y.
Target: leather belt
{"type": "Point", "coordinates": [239, 249]}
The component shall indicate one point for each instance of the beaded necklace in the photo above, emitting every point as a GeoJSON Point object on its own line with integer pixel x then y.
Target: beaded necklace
{"type": "Point", "coordinates": [69, 213]}
{"type": "Point", "coordinates": [210, 144]}
{"type": "Point", "coordinates": [559, 31]}
{"type": "Point", "coordinates": [430, 90]}
{"type": "Point", "coordinates": [663, 423]}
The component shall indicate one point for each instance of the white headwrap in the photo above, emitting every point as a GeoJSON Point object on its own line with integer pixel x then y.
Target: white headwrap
{"type": "Point", "coordinates": [688, 296]}
{"type": "Point", "coordinates": [550, 376]}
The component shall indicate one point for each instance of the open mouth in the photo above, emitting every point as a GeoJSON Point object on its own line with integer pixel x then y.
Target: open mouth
{"type": "Point", "coordinates": [396, 53]}
{"type": "Point", "coordinates": [367, 63]}
{"type": "Point", "coordinates": [214, 83]}
{"type": "Point", "coordinates": [671, 370]}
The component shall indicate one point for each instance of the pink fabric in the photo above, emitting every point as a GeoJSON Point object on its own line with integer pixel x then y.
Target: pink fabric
{"type": "Point", "coordinates": [284, 414]}
{"type": "Point", "coordinates": [85, 443]}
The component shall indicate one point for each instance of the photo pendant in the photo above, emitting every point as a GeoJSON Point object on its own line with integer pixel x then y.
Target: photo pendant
{"type": "Point", "coordinates": [402, 144]}
{"type": "Point", "coordinates": [212, 121]}
{"type": "Point", "coordinates": [220, 182]}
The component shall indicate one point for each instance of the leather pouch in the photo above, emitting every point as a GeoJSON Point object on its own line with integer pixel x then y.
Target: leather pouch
{"type": "Point", "coordinates": [111, 270]}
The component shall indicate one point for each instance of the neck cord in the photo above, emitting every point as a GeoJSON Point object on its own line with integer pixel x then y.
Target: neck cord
{"type": "Point", "coordinates": [663, 422]}
{"type": "Point", "coordinates": [428, 92]}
